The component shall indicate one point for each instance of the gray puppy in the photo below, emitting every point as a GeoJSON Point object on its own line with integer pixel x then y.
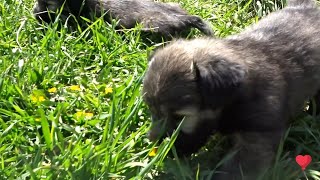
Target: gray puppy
{"type": "Point", "coordinates": [246, 86]}
{"type": "Point", "coordinates": [164, 19]}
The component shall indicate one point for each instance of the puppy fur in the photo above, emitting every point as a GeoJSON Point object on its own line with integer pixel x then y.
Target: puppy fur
{"type": "Point", "coordinates": [246, 86]}
{"type": "Point", "coordinates": [164, 19]}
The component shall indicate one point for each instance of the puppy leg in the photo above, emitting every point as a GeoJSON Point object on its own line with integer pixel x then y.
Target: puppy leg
{"type": "Point", "coordinates": [255, 153]}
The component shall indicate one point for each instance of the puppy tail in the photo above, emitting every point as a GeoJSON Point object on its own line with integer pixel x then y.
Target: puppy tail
{"type": "Point", "coordinates": [302, 3]}
{"type": "Point", "coordinates": [200, 24]}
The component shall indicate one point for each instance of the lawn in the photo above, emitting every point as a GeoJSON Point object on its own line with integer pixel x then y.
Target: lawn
{"type": "Point", "coordinates": [71, 106]}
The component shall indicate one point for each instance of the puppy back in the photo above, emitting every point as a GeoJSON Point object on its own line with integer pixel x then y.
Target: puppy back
{"type": "Point", "coordinates": [302, 3]}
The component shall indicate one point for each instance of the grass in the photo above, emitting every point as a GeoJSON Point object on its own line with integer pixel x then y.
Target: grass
{"type": "Point", "coordinates": [71, 108]}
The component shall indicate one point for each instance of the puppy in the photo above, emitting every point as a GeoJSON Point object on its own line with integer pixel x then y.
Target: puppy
{"type": "Point", "coordinates": [246, 86]}
{"type": "Point", "coordinates": [164, 19]}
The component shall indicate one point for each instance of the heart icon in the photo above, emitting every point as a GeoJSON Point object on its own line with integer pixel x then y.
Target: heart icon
{"type": "Point", "coordinates": [303, 161]}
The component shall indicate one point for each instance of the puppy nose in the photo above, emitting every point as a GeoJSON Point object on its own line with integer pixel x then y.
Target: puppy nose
{"type": "Point", "coordinates": [155, 131]}
{"type": "Point", "coordinates": [152, 136]}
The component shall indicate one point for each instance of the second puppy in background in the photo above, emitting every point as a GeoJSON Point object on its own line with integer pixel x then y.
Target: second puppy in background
{"type": "Point", "coordinates": [164, 19]}
{"type": "Point", "coordinates": [246, 86]}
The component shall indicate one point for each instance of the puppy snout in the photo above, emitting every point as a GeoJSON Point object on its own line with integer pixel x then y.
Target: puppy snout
{"type": "Point", "coordinates": [156, 131]}
{"type": "Point", "coordinates": [153, 135]}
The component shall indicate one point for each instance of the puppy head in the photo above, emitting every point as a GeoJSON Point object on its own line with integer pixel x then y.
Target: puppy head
{"type": "Point", "coordinates": [44, 10]}
{"type": "Point", "coordinates": [186, 79]}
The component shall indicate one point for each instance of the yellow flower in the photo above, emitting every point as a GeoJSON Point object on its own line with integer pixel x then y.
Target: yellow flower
{"type": "Point", "coordinates": [108, 90]}
{"type": "Point", "coordinates": [52, 90]}
{"type": "Point", "coordinates": [88, 141]}
{"type": "Point", "coordinates": [38, 119]}
{"type": "Point", "coordinates": [37, 98]}
{"type": "Point", "coordinates": [41, 98]}
{"type": "Point", "coordinates": [83, 114]}
{"type": "Point", "coordinates": [153, 152]}
{"type": "Point", "coordinates": [89, 115]}
{"type": "Point", "coordinates": [75, 87]}
{"type": "Point", "coordinates": [34, 98]}
{"type": "Point", "coordinates": [79, 114]}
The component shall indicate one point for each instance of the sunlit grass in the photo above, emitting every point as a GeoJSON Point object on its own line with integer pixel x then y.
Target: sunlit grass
{"type": "Point", "coordinates": [71, 104]}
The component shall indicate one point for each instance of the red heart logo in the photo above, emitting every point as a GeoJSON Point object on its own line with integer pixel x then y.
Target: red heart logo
{"type": "Point", "coordinates": [303, 161]}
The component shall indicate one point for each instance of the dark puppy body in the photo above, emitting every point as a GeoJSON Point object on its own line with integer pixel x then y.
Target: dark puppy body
{"type": "Point", "coordinates": [165, 19]}
{"type": "Point", "coordinates": [246, 86]}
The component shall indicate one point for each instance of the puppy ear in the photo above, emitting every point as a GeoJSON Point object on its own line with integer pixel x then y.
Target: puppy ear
{"type": "Point", "coordinates": [218, 80]}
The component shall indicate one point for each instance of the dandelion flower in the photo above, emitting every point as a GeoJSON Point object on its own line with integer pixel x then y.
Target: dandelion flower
{"type": "Point", "coordinates": [52, 90]}
{"type": "Point", "coordinates": [153, 152]}
{"type": "Point", "coordinates": [37, 98]}
{"type": "Point", "coordinates": [75, 88]}
{"type": "Point", "coordinates": [108, 90]}
{"type": "Point", "coordinates": [41, 98]}
{"type": "Point", "coordinates": [34, 98]}
{"type": "Point", "coordinates": [88, 115]}
{"type": "Point", "coordinates": [79, 114]}
{"type": "Point", "coordinates": [83, 114]}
